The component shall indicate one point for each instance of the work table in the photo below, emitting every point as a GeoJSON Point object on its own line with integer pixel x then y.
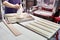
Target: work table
{"type": "Point", "coordinates": [6, 34]}
{"type": "Point", "coordinates": [26, 34]}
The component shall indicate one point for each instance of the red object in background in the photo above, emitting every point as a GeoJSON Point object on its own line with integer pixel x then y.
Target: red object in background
{"type": "Point", "coordinates": [47, 9]}
{"type": "Point", "coordinates": [57, 19]}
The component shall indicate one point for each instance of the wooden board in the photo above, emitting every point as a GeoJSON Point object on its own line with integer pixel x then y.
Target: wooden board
{"type": "Point", "coordinates": [12, 29]}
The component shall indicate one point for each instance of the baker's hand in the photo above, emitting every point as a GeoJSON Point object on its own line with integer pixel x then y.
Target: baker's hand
{"type": "Point", "coordinates": [16, 6]}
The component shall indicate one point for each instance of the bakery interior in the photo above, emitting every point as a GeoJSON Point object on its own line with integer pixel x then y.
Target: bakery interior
{"type": "Point", "coordinates": [29, 19]}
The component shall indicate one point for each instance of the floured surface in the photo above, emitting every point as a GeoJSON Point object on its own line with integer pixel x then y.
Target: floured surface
{"type": "Point", "coordinates": [6, 34]}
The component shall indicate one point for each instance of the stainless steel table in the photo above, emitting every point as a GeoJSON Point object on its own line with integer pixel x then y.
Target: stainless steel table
{"type": "Point", "coordinates": [6, 34]}
{"type": "Point", "coordinates": [44, 28]}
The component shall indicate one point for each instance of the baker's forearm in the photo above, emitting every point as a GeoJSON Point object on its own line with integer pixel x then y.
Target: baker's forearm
{"type": "Point", "coordinates": [7, 4]}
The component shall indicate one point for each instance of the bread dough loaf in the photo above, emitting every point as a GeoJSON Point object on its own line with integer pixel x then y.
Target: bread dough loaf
{"type": "Point", "coordinates": [25, 15]}
{"type": "Point", "coordinates": [11, 18]}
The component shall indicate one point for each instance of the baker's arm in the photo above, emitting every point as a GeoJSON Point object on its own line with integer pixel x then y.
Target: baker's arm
{"type": "Point", "coordinates": [7, 4]}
